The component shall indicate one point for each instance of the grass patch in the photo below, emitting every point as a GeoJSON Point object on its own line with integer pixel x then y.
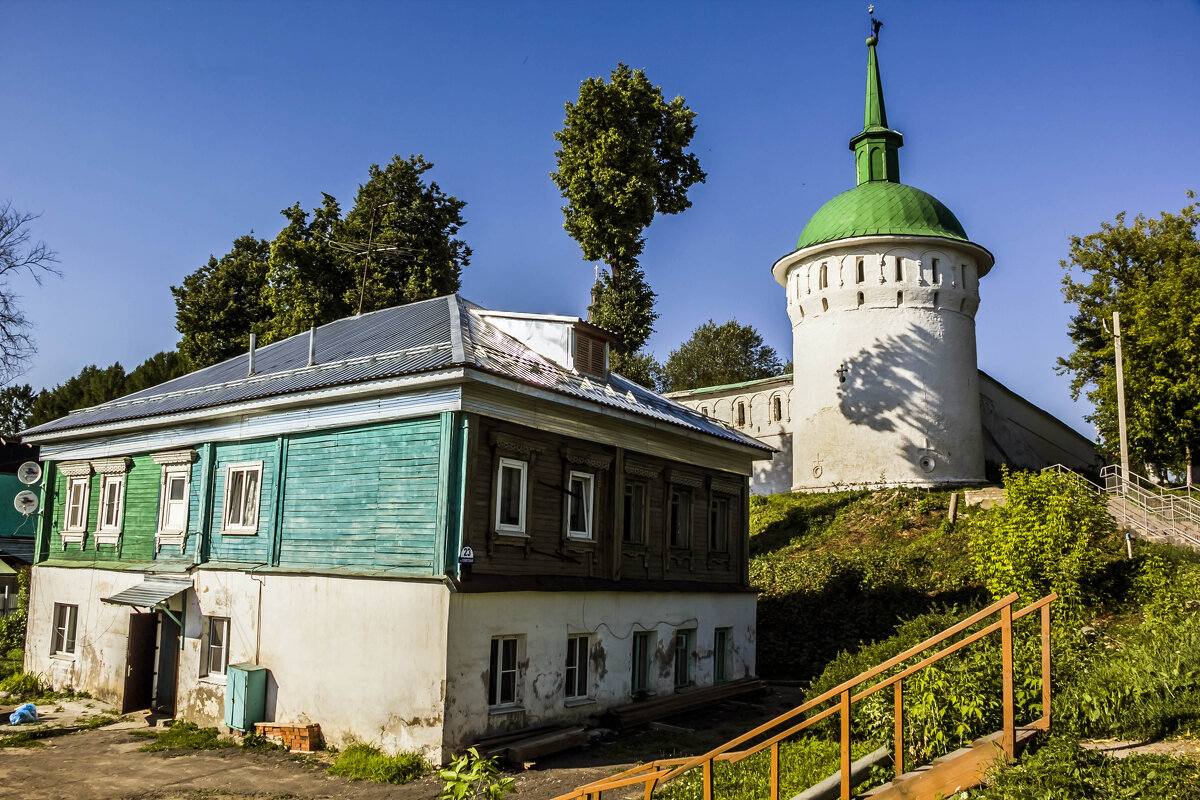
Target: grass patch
{"type": "Point", "coordinates": [360, 762]}
{"type": "Point", "coordinates": [183, 735]}
{"type": "Point", "coordinates": [26, 739]}
{"type": "Point", "coordinates": [256, 741]}
{"type": "Point", "coordinates": [22, 684]}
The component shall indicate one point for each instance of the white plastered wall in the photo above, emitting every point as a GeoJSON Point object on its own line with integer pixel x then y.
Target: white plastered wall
{"type": "Point", "coordinates": [363, 657]}
{"type": "Point", "coordinates": [101, 629]}
{"type": "Point", "coordinates": [544, 620]}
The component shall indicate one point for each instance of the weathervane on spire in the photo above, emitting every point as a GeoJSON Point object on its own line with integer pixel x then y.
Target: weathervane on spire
{"type": "Point", "coordinates": [875, 24]}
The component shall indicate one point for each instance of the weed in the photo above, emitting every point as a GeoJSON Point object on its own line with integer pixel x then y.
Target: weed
{"type": "Point", "coordinates": [470, 776]}
{"type": "Point", "coordinates": [23, 739]}
{"type": "Point", "coordinates": [364, 762]}
{"type": "Point", "coordinates": [183, 735]}
{"type": "Point", "coordinates": [91, 723]}
{"type": "Point", "coordinates": [256, 741]}
{"type": "Point", "coordinates": [23, 684]}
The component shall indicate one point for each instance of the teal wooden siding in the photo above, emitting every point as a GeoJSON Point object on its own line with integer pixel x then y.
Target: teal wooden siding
{"type": "Point", "coordinates": [139, 518]}
{"type": "Point", "coordinates": [250, 548]}
{"type": "Point", "coordinates": [365, 497]}
{"type": "Point", "coordinates": [12, 522]}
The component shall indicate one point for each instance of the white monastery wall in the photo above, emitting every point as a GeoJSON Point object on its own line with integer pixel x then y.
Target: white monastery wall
{"type": "Point", "coordinates": [886, 383]}
{"type": "Point", "coordinates": [542, 622]}
{"type": "Point", "coordinates": [1018, 433]}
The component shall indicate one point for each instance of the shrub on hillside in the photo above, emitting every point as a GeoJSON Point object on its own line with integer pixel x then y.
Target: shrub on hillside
{"type": "Point", "coordinates": [1045, 538]}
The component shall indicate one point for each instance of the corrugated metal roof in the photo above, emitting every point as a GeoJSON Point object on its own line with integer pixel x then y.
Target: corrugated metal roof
{"type": "Point", "coordinates": [405, 340]}
{"type": "Point", "coordinates": [150, 592]}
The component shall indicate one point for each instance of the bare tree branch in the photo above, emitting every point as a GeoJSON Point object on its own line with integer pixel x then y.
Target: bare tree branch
{"type": "Point", "coordinates": [17, 256]}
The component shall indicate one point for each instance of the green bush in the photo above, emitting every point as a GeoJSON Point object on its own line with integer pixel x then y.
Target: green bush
{"type": "Point", "coordinates": [22, 683]}
{"type": "Point", "coordinates": [12, 626]}
{"type": "Point", "coordinates": [1061, 769]}
{"type": "Point", "coordinates": [360, 762]}
{"type": "Point", "coordinates": [1045, 538]}
{"type": "Point", "coordinates": [470, 775]}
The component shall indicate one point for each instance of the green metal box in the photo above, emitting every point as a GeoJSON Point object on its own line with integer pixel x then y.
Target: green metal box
{"type": "Point", "coordinates": [245, 696]}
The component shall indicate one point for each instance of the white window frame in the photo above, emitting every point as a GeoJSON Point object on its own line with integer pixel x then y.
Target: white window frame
{"type": "Point", "coordinates": [503, 463]}
{"type": "Point", "coordinates": [109, 532]}
{"type": "Point", "coordinates": [497, 701]}
{"type": "Point", "coordinates": [66, 630]}
{"type": "Point", "coordinates": [167, 533]}
{"type": "Point", "coordinates": [222, 625]}
{"type": "Point", "coordinates": [81, 527]}
{"type": "Point", "coordinates": [578, 680]}
{"type": "Point", "coordinates": [589, 494]}
{"type": "Point", "coordinates": [241, 528]}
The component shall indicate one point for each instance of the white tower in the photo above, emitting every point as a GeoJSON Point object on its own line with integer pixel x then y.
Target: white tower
{"type": "Point", "coordinates": [882, 292]}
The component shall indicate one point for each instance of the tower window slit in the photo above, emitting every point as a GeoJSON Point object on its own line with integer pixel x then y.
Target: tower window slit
{"type": "Point", "coordinates": [858, 272]}
{"type": "Point", "coordinates": [777, 407]}
{"type": "Point", "coordinates": [934, 277]}
{"type": "Point", "coordinates": [899, 271]}
{"type": "Point", "coordinates": [741, 415]}
{"type": "Point", "coordinates": [860, 299]}
{"type": "Point", "coordinates": [935, 299]}
{"type": "Point", "coordinates": [899, 299]}
{"type": "Point", "coordinates": [824, 304]}
{"type": "Point", "coordinates": [823, 281]}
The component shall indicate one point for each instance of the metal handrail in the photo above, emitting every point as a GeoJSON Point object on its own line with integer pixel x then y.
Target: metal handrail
{"type": "Point", "coordinates": [656, 773]}
{"type": "Point", "coordinates": [1154, 509]}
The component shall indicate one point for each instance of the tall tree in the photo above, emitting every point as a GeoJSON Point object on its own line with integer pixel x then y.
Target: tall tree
{"type": "Point", "coordinates": [719, 354]}
{"type": "Point", "coordinates": [399, 236]}
{"type": "Point", "coordinates": [16, 404]}
{"type": "Point", "coordinates": [219, 305]}
{"type": "Point", "coordinates": [18, 255]}
{"type": "Point", "coordinates": [1150, 272]}
{"type": "Point", "coordinates": [622, 159]}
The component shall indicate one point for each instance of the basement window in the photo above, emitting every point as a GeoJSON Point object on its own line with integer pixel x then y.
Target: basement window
{"type": "Point", "coordinates": [65, 617]}
{"type": "Point", "coordinates": [721, 639]}
{"type": "Point", "coordinates": [577, 667]}
{"type": "Point", "coordinates": [503, 673]}
{"type": "Point", "coordinates": [643, 650]}
{"type": "Point", "coordinates": [215, 648]}
{"type": "Point", "coordinates": [683, 658]}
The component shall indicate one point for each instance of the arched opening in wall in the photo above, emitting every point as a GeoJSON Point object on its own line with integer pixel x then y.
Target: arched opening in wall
{"type": "Point", "coordinates": [704, 410]}
{"type": "Point", "coordinates": [934, 277]}
{"type": "Point", "coordinates": [823, 280]}
{"type": "Point", "coordinates": [860, 299]}
{"type": "Point", "coordinates": [899, 299]}
{"type": "Point", "coordinates": [741, 415]}
{"type": "Point", "coordinates": [800, 308]}
{"type": "Point", "coordinates": [877, 163]}
{"type": "Point", "coordinates": [899, 270]}
{"type": "Point", "coordinates": [824, 304]}
{"type": "Point", "coordinates": [777, 408]}
{"type": "Point", "coordinates": [858, 272]}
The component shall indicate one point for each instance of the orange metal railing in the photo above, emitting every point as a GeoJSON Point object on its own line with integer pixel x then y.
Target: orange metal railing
{"type": "Point", "coordinates": [656, 773]}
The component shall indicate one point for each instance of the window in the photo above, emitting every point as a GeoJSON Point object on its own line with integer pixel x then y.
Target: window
{"type": "Point", "coordinates": [718, 525]}
{"type": "Point", "coordinates": [510, 496]}
{"type": "Point", "coordinates": [589, 355]}
{"type": "Point", "coordinates": [823, 281]}
{"type": "Point", "coordinates": [173, 500]}
{"type": "Point", "coordinates": [824, 304]}
{"type": "Point", "coordinates": [502, 680]}
{"type": "Point", "coordinates": [899, 299]}
{"type": "Point", "coordinates": [704, 410]}
{"type": "Point", "coordinates": [681, 518]}
{"type": "Point", "coordinates": [579, 506]}
{"type": "Point", "coordinates": [64, 629]}
{"type": "Point", "coordinates": [777, 407]}
{"type": "Point", "coordinates": [634, 516]}
{"type": "Point", "coordinates": [577, 667]}
{"type": "Point", "coordinates": [242, 485]}
{"type": "Point", "coordinates": [77, 504]}
{"type": "Point", "coordinates": [860, 298]}
{"type": "Point", "coordinates": [741, 414]}
{"type": "Point", "coordinates": [112, 506]}
{"type": "Point", "coordinates": [935, 299]}
{"type": "Point", "coordinates": [899, 270]}
{"type": "Point", "coordinates": [859, 275]}
{"type": "Point", "coordinates": [643, 647]}
{"type": "Point", "coordinates": [683, 658]}
{"type": "Point", "coordinates": [721, 655]}
{"type": "Point", "coordinates": [934, 277]}
{"type": "Point", "coordinates": [216, 646]}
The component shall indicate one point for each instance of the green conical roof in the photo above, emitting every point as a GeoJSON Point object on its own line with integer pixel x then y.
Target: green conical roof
{"type": "Point", "coordinates": [877, 208]}
{"type": "Point", "coordinates": [879, 204]}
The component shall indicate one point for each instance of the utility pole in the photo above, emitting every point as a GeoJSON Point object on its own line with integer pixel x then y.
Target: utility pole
{"type": "Point", "coordinates": [1121, 400]}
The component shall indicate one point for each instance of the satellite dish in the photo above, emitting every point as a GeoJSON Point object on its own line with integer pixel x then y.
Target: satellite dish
{"type": "Point", "coordinates": [26, 502]}
{"type": "Point", "coordinates": [29, 473]}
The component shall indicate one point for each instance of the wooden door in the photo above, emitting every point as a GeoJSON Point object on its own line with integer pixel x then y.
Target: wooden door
{"type": "Point", "coordinates": [139, 662]}
{"type": "Point", "coordinates": [168, 665]}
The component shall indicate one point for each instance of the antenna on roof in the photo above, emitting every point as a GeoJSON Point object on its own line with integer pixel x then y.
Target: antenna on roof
{"type": "Point", "coordinates": [250, 370]}
{"type": "Point", "coordinates": [312, 345]}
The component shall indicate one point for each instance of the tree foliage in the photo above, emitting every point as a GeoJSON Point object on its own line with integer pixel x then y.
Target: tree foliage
{"type": "Point", "coordinates": [221, 303]}
{"type": "Point", "coordinates": [622, 159]}
{"type": "Point", "coordinates": [1150, 272]}
{"type": "Point", "coordinates": [16, 404]}
{"type": "Point", "coordinates": [1045, 538]}
{"type": "Point", "coordinates": [18, 255]}
{"type": "Point", "coordinates": [719, 354]}
{"type": "Point", "coordinates": [400, 236]}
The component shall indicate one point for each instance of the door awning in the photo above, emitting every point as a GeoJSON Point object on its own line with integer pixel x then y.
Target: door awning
{"type": "Point", "coordinates": [150, 592]}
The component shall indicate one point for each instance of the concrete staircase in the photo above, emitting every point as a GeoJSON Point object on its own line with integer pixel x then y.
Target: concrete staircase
{"type": "Point", "coordinates": [1150, 512]}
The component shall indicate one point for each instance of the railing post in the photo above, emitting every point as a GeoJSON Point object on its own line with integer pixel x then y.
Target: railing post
{"type": "Point", "coordinates": [774, 771]}
{"type": "Point", "coordinates": [708, 779]}
{"type": "Point", "coordinates": [898, 752]}
{"type": "Point", "coordinates": [1006, 659]}
{"type": "Point", "coordinates": [1046, 665]}
{"type": "Point", "coordinates": [845, 745]}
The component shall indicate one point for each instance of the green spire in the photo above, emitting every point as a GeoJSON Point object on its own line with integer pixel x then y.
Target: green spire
{"type": "Point", "coordinates": [875, 149]}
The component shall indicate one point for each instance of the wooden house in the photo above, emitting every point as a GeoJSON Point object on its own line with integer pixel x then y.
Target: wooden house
{"type": "Point", "coordinates": [425, 524]}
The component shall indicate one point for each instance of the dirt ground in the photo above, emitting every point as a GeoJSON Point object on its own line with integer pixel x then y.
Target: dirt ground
{"type": "Point", "coordinates": [105, 763]}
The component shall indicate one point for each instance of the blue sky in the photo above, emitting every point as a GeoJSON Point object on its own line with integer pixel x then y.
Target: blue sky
{"type": "Point", "coordinates": [150, 135]}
